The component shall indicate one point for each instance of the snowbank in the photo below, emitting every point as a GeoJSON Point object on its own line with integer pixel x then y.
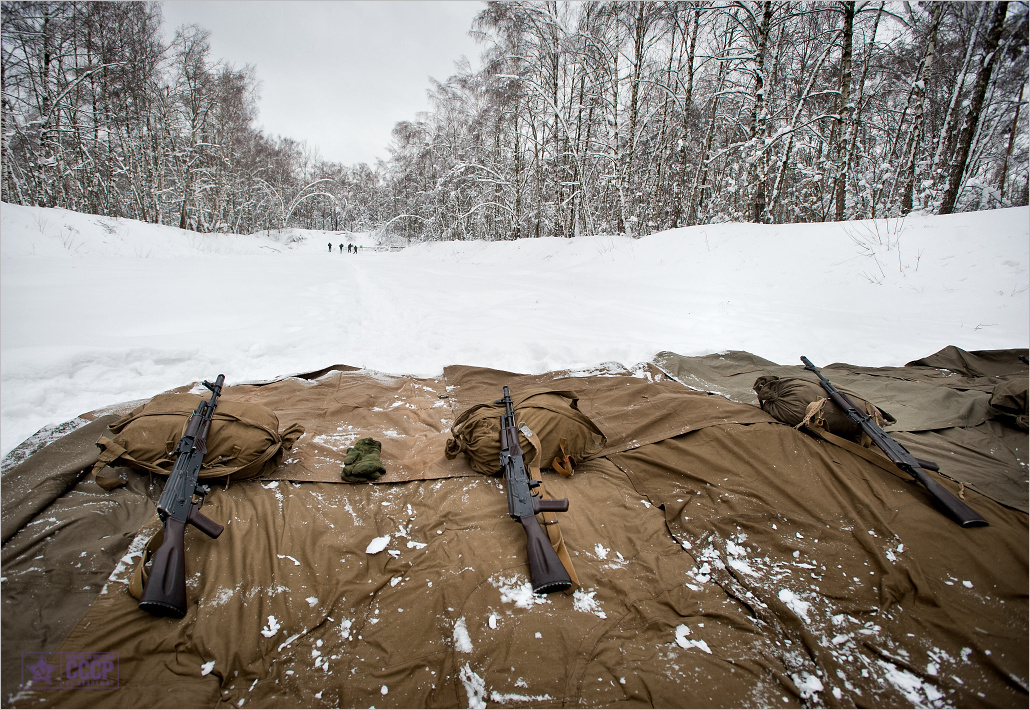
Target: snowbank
{"type": "Point", "coordinates": [96, 311]}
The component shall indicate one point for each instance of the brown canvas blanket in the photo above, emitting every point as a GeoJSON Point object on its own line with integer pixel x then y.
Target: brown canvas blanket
{"type": "Point", "coordinates": [28, 489]}
{"type": "Point", "coordinates": [683, 535]}
{"type": "Point", "coordinates": [56, 565]}
{"type": "Point", "coordinates": [991, 458]}
{"type": "Point", "coordinates": [942, 405]}
{"type": "Point", "coordinates": [869, 595]}
{"type": "Point", "coordinates": [976, 364]}
{"type": "Point", "coordinates": [337, 406]}
{"type": "Point", "coordinates": [288, 609]}
{"type": "Point", "coordinates": [630, 407]}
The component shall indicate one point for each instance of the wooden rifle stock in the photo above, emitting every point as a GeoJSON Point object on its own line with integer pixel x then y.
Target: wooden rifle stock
{"type": "Point", "coordinates": [546, 572]}
{"type": "Point", "coordinates": [165, 591]}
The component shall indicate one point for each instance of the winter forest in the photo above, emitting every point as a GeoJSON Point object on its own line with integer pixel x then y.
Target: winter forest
{"type": "Point", "coordinates": [583, 118]}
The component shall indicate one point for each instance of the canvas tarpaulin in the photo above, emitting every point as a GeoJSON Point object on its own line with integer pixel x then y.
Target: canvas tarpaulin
{"type": "Point", "coordinates": [942, 405]}
{"type": "Point", "coordinates": [725, 560]}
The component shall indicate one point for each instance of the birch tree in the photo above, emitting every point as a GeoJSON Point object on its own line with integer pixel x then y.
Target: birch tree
{"type": "Point", "coordinates": [972, 119]}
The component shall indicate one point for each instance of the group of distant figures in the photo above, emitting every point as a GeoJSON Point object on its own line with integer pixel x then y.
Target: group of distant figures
{"type": "Point", "coordinates": [351, 248]}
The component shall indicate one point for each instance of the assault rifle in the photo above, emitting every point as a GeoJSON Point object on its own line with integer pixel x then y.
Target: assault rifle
{"type": "Point", "coordinates": [952, 506]}
{"type": "Point", "coordinates": [165, 591]}
{"type": "Point", "coordinates": [546, 572]}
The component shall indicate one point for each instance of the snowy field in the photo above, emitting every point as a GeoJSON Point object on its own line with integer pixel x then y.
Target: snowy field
{"type": "Point", "coordinates": [95, 311]}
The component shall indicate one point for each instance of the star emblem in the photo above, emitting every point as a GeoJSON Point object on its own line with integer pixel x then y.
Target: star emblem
{"type": "Point", "coordinates": [42, 671]}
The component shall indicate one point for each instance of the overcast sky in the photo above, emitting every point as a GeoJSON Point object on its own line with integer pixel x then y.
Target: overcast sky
{"type": "Point", "coordinates": [337, 74]}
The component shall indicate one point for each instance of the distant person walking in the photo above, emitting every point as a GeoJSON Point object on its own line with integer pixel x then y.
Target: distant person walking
{"type": "Point", "coordinates": [341, 247]}
{"type": "Point", "coordinates": [330, 247]}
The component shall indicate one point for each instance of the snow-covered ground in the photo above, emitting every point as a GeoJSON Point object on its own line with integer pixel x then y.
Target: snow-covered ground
{"type": "Point", "coordinates": [96, 311]}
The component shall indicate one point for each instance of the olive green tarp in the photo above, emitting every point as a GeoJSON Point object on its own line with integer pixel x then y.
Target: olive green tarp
{"type": "Point", "coordinates": [942, 405]}
{"type": "Point", "coordinates": [726, 560]}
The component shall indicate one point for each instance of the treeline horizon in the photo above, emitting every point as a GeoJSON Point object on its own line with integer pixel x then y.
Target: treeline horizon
{"type": "Point", "coordinates": [583, 118]}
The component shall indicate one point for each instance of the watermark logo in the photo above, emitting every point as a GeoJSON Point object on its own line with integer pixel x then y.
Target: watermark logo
{"type": "Point", "coordinates": [42, 670]}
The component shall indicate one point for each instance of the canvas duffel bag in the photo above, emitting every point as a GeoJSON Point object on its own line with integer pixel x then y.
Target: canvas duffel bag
{"type": "Point", "coordinates": [794, 400]}
{"type": "Point", "coordinates": [1008, 403]}
{"type": "Point", "coordinates": [243, 442]}
{"type": "Point", "coordinates": [566, 434]}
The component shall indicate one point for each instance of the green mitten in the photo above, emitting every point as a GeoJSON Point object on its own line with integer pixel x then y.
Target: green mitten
{"type": "Point", "coordinates": [362, 462]}
{"type": "Point", "coordinates": [353, 454]}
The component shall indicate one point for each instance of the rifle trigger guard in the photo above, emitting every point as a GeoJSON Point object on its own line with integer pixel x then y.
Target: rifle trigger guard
{"type": "Point", "coordinates": [201, 492]}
